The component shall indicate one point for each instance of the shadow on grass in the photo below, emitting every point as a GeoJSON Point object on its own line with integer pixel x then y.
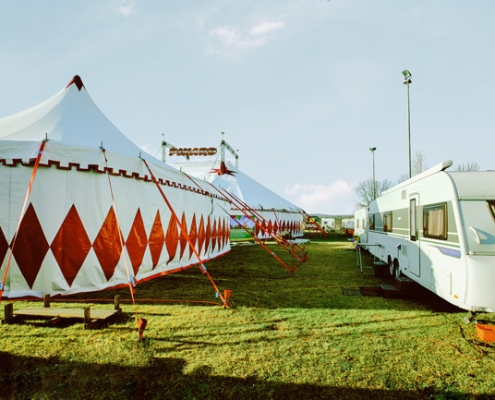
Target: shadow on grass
{"type": "Point", "coordinates": [30, 377]}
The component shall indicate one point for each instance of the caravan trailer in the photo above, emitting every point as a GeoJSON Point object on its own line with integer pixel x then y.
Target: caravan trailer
{"type": "Point", "coordinates": [360, 222]}
{"type": "Point", "coordinates": [438, 228]}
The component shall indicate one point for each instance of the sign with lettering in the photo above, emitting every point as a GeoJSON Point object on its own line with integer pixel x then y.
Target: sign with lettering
{"type": "Point", "coordinates": [196, 151]}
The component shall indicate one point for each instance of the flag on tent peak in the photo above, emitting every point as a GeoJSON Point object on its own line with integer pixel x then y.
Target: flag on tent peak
{"type": "Point", "coordinates": [78, 81]}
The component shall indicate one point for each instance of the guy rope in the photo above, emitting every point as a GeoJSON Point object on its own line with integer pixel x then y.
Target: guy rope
{"type": "Point", "coordinates": [226, 295]}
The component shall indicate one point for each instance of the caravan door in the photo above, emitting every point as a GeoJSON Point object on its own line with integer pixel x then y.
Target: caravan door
{"type": "Point", "coordinates": [414, 242]}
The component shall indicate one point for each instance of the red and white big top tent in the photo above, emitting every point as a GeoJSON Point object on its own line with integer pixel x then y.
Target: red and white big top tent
{"type": "Point", "coordinates": [277, 214]}
{"type": "Point", "coordinates": [94, 219]}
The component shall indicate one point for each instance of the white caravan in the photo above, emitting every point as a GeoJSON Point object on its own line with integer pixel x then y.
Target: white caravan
{"type": "Point", "coordinates": [438, 228]}
{"type": "Point", "coordinates": [360, 222]}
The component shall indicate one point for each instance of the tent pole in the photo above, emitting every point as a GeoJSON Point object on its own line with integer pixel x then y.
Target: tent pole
{"type": "Point", "coordinates": [130, 278]}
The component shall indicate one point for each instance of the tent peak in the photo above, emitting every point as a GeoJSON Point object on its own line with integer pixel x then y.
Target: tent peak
{"type": "Point", "coordinates": [78, 81]}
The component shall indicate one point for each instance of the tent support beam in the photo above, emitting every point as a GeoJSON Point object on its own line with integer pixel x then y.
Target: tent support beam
{"type": "Point", "coordinates": [186, 235]}
{"type": "Point", "coordinates": [314, 223]}
{"type": "Point", "coordinates": [258, 240]}
{"type": "Point", "coordinates": [278, 239]}
{"type": "Point", "coordinates": [302, 257]}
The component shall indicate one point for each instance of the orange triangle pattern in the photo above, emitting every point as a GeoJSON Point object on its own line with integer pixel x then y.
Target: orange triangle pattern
{"type": "Point", "coordinates": [71, 245]}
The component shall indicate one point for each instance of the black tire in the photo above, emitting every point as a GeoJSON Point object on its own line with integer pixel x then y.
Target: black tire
{"type": "Point", "coordinates": [391, 267]}
{"type": "Point", "coordinates": [397, 272]}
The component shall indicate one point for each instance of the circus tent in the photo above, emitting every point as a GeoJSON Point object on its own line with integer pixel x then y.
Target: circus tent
{"type": "Point", "coordinates": [252, 199]}
{"type": "Point", "coordinates": [85, 209]}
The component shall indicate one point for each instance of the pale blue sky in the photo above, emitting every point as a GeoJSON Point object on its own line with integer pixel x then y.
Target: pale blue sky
{"type": "Point", "coordinates": [302, 88]}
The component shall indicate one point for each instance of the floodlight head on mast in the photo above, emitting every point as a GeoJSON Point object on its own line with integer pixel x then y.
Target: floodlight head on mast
{"type": "Point", "coordinates": [407, 77]}
{"type": "Point", "coordinates": [372, 149]}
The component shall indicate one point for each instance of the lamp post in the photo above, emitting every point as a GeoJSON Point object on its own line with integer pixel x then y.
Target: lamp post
{"type": "Point", "coordinates": [373, 149]}
{"type": "Point", "coordinates": [407, 82]}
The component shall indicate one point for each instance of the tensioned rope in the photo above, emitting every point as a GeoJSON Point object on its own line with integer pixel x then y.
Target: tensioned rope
{"type": "Point", "coordinates": [308, 217]}
{"type": "Point", "coordinates": [258, 240]}
{"type": "Point", "coordinates": [23, 209]}
{"type": "Point", "coordinates": [284, 243]}
{"type": "Point", "coordinates": [186, 235]}
{"type": "Point", "coordinates": [130, 278]}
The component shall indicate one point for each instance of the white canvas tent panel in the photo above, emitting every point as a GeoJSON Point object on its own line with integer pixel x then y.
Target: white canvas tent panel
{"type": "Point", "coordinates": [279, 213]}
{"type": "Point", "coordinates": [68, 241]}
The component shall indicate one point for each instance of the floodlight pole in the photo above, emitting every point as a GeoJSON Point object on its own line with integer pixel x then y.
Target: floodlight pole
{"type": "Point", "coordinates": [373, 149]}
{"type": "Point", "coordinates": [407, 82]}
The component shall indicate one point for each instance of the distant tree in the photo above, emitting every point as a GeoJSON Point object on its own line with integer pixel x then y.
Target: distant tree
{"type": "Point", "coordinates": [402, 178]}
{"type": "Point", "coordinates": [418, 164]}
{"type": "Point", "coordinates": [364, 190]}
{"type": "Point", "coordinates": [472, 166]}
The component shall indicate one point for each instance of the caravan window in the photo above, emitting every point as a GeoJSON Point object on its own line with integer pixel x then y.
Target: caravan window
{"type": "Point", "coordinates": [491, 206]}
{"type": "Point", "coordinates": [372, 222]}
{"type": "Point", "coordinates": [412, 219]}
{"type": "Point", "coordinates": [387, 222]}
{"type": "Point", "coordinates": [435, 221]}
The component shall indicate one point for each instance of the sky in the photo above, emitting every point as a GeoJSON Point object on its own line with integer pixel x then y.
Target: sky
{"type": "Point", "coordinates": [302, 88]}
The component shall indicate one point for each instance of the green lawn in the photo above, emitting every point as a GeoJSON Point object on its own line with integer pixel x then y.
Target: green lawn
{"type": "Point", "coordinates": [286, 336]}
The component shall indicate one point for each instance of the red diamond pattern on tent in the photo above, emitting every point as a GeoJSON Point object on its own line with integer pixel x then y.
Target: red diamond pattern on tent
{"type": "Point", "coordinates": [108, 245]}
{"type": "Point", "coordinates": [214, 235]}
{"type": "Point", "coordinates": [172, 239]}
{"type": "Point", "coordinates": [275, 227]}
{"type": "Point", "coordinates": [263, 226]}
{"type": "Point", "coordinates": [226, 232]}
{"type": "Point", "coordinates": [220, 234]}
{"type": "Point", "coordinates": [193, 235]}
{"type": "Point", "coordinates": [71, 245]}
{"type": "Point", "coordinates": [270, 227]}
{"type": "Point", "coordinates": [156, 240]}
{"type": "Point", "coordinates": [31, 246]}
{"type": "Point", "coordinates": [136, 242]}
{"type": "Point", "coordinates": [201, 234]}
{"type": "Point", "coordinates": [4, 246]}
{"type": "Point", "coordinates": [183, 235]}
{"type": "Point", "coordinates": [208, 235]}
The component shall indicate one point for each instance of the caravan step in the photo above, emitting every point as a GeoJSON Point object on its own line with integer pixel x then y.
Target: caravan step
{"type": "Point", "coordinates": [404, 284]}
{"type": "Point", "coordinates": [389, 290]}
{"type": "Point", "coordinates": [380, 269]}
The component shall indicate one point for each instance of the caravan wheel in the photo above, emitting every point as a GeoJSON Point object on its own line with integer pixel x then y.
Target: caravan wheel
{"type": "Point", "coordinates": [391, 267]}
{"type": "Point", "coordinates": [397, 272]}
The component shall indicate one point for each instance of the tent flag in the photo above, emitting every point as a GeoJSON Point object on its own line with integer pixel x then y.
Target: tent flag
{"type": "Point", "coordinates": [80, 245]}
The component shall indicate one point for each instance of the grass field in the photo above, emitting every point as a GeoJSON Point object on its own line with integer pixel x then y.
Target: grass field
{"type": "Point", "coordinates": [304, 336]}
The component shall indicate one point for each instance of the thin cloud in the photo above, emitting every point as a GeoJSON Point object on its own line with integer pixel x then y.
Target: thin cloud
{"type": "Point", "coordinates": [126, 7]}
{"type": "Point", "coordinates": [266, 27]}
{"type": "Point", "coordinates": [231, 40]}
{"type": "Point", "coordinates": [334, 198]}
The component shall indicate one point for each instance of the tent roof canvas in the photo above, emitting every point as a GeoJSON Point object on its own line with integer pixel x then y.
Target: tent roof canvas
{"type": "Point", "coordinates": [251, 192]}
{"type": "Point", "coordinates": [71, 118]}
